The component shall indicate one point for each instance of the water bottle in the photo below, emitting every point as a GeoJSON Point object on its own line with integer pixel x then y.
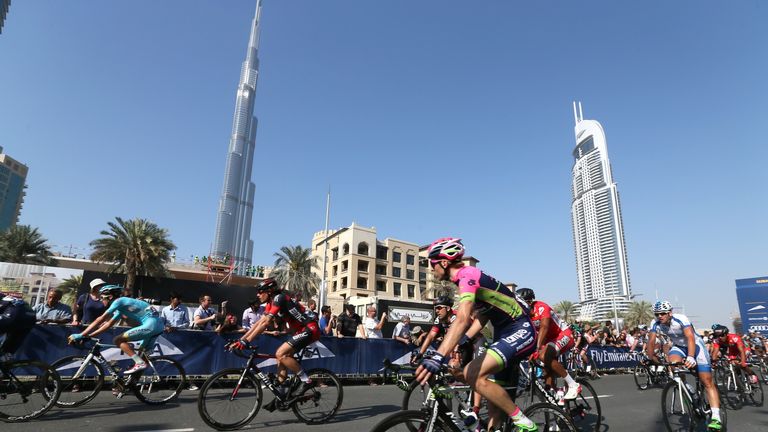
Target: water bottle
{"type": "Point", "coordinates": [560, 397]}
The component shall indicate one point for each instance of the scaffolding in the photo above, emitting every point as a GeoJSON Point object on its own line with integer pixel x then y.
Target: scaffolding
{"type": "Point", "coordinates": [220, 270]}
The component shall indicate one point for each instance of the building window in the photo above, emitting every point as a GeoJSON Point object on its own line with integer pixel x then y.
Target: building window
{"type": "Point", "coordinates": [396, 289]}
{"type": "Point", "coordinates": [362, 283]}
{"type": "Point", "coordinates": [424, 262]}
{"type": "Point", "coordinates": [362, 266]}
{"type": "Point", "coordinates": [410, 259]}
{"type": "Point", "coordinates": [396, 256]}
{"type": "Point", "coordinates": [333, 286]}
{"type": "Point", "coordinates": [409, 274]}
{"type": "Point", "coordinates": [335, 253]}
{"type": "Point", "coordinates": [343, 283]}
{"type": "Point", "coordinates": [422, 277]}
{"type": "Point", "coordinates": [381, 270]}
{"type": "Point", "coordinates": [362, 248]}
{"type": "Point", "coordinates": [381, 285]}
{"type": "Point", "coordinates": [335, 270]}
{"type": "Point", "coordinates": [411, 290]}
{"type": "Point", "coordinates": [396, 271]}
{"type": "Point", "coordinates": [344, 266]}
{"type": "Point", "coordinates": [345, 249]}
{"type": "Point", "coordinates": [381, 252]}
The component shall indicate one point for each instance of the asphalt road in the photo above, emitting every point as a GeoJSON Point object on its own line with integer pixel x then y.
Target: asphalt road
{"type": "Point", "coordinates": [624, 408]}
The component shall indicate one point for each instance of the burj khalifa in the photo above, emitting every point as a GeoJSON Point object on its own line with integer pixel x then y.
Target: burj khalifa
{"type": "Point", "coordinates": [233, 222]}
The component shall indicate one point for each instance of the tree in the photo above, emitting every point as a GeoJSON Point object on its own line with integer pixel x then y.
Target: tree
{"type": "Point", "coordinates": [639, 312]}
{"type": "Point", "coordinates": [134, 247]}
{"type": "Point", "coordinates": [24, 245]}
{"type": "Point", "coordinates": [565, 309]}
{"type": "Point", "coordinates": [69, 287]}
{"type": "Point", "coordinates": [293, 271]}
{"type": "Point", "coordinates": [439, 288]}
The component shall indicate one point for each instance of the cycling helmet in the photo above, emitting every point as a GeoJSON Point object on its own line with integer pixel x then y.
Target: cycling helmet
{"type": "Point", "coordinates": [443, 300]}
{"type": "Point", "coordinates": [267, 284]}
{"type": "Point", "coordinates": [662, 306]}
{"type": "Point", "coordinates": [642, 327]}
{"type": "Point", "coordinates": [714, 326]}
{"type": "Point", "coordinates": [447, 248]}
{"type": "Point", "coordinates": [526, 294]}
{"type": "Point", "coordinates": [111, 289]}
{"type": "Point", "coordinates": [720, 330]}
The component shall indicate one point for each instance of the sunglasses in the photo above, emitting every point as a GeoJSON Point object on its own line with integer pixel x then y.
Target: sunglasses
{"type": "Point", "coordinates": [106, 297]}
{"type": "Point", "coordinates": [441, 307]}
{"type": "Point", "coordinates": [660, 314]}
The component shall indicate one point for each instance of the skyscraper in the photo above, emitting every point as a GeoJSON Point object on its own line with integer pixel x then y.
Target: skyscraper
{"type": "Point", "coordinates": [233, 222]}
{"type": "Point", "coordinates": [4, 4]}
{"type": "Point", "coordinates": [13, 175]}
{"type": "Point", "coordinates": [598, 230]}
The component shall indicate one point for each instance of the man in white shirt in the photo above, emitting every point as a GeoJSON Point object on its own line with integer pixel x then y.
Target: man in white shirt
{"type": "Point", "coordinates": [403, 330]}
{"type": "Point", "coordinates": [372, 325]}
{"type": "Point", "coordinates": [252, 314]}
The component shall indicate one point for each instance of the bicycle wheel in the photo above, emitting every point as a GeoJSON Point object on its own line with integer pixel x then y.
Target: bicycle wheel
{"type": "Point", "coordinates": [547, 417]}
{"type": "Point", "coordinates": [585, 410]}
{"type": "Point", "coordinates": [642, 377]}
{"type": "Point", "coordinates": [592, 373]}
{"type": "Point", "coordinates": [322, 401]}
{"type": "Point", "coordinates": [161, 381]}
{"type": "Point", "coordinates": [756, 393]}
{"type": "Point", "coordinates": [224, 403]}
{"type": "Point", "coordinates": [28, 389]}
{"type": "Point", "coordinates": [677, 409]}
{"type": "Point", "coordinates": [415, 396]}
{"type": "Point", "coordinates": [80, 383]}
{"type": "Point", "coordinates": [727, 387]}
{"type": "Point", "coordinates": [410, 421]}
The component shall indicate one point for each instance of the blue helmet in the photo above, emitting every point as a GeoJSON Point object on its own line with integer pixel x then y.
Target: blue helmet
{"type": "Point", "coordinates": [111, 289]}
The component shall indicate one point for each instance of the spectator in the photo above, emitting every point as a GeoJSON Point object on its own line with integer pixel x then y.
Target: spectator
{"type": "Point", "coordinates": [372, 325]}
{"type": "Point", "coordinates": [327, 321]}
{"type": "Point", "coordinates": [175, 316]}
{"type": "Point", "coordinates": [53, 311]}
{"type": "Point", "coordinates": [229, 325]}
{"type": "Point", "coordinates": [417, 336]}
{"type": "Point", "coordinates": [278, 328]}
{"type": "Point", "coordinates": [349, 323]}
{"type": "Point", "coordinates": [403, 330]}
{"type": "Point", "coordinates": [312, 305]}
{"type": "Point", "coordinates": [89, 306]}
{"type": "Point", "coordinates": [253, 313]}
{"type": "Point", "coordinates": [204, 314]}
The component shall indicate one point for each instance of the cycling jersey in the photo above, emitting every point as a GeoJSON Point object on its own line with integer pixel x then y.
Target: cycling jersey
{"type": "Point", "coordinates": [676, 333]}
{"type": "Point", "coordinates": [731, 345]}
{"type": "Point", "coordinates": [440, 328]}
{"type": "Point", "coordinates": [541, 310]}
{"type": "Point", "coordinates": [286, 308]}
{"type": "Point", "coordinates": [133, 309]}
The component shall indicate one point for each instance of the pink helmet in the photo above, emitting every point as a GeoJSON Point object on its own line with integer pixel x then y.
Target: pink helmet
{"type": "Point", "coordinates": [448, 248]}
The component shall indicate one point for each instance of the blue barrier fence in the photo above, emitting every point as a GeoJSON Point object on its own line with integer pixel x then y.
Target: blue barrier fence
{"type": "Point", "coordinates": [202, 352]}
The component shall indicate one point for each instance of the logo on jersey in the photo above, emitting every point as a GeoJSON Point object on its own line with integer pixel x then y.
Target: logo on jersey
{"type": "Point", "coordinates": [315, 350]}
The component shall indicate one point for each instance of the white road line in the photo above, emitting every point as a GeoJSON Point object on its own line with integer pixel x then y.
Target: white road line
{"type": "Point", "coordinates": [598, 396]}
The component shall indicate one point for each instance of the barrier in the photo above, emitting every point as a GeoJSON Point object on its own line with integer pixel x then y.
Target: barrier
{"type": "Point", "coordinates": [202, 352]}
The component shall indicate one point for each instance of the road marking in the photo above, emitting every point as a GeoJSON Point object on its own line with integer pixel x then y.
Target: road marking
{"type": "Point", "coordinates": [598, 396]}
{"type": "Point", "coordinates": [169, 430]}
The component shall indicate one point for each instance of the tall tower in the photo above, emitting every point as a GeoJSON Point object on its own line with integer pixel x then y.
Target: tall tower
{"type": "Point", "coordinates": [13, 175]}
{"type": "Point", "coordinates": [233, 222]}
{"type": "Point", "coordinates": [598, 230]}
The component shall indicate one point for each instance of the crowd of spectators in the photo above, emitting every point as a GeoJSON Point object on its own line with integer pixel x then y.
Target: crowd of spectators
{"type": "Point", "coordinates": [607, 335]}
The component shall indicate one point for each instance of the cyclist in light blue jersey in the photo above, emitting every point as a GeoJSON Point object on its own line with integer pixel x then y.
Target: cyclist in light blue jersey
{"type": "Point", "coordinates": [149, 328]}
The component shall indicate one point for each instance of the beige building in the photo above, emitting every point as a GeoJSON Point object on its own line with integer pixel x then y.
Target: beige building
{"type": "Point", "coordinates": [360, 267]}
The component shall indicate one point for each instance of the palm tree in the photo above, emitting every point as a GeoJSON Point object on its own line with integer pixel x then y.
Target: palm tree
{"type": "Point", "coordinates": [565, 309]}
{"type": "Point", "coordinates": [442, 288]}
{"type": "Point", "coordinates": [24, 245]}
{"type": "Point", "coordinates": [293, 271]}
{"type": "Point", "coordinates": [134, 247]}
{"type": "Point", "coordinates": [639, 312]}
{"type": "Point", "coordinates": [69, 287]}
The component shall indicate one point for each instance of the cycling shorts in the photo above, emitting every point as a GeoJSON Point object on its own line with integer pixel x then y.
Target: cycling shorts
{"type": "Point", "coordinates": [703, 364]}
{"type": "Point", "coordinates": [563, 342]}
{"type": "Point", "coordinates": [147, 332]}
{"type": "Point", "coordinates": [308, 334]}
{"type": "Point", "coordinates": [517, 339]}
{"type": "Point", "coordinates": [15, 322]}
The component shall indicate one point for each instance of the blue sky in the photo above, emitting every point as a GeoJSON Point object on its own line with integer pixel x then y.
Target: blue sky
{"type": "Point", "coordinates": [426, 118]}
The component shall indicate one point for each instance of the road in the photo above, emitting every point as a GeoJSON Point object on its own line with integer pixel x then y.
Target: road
{"type": "Point", "coordinates": [624, 408]}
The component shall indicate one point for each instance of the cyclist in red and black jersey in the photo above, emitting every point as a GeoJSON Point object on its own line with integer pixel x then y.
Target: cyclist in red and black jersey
{"type": "Point", "coordinates": [445, 316]}
{"type": "Point", "coordinates": [280, 305]}
{"type": "Point", "coordinates": [731, 345]}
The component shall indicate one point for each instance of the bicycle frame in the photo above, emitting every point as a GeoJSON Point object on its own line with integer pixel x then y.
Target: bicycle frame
{"type": "Point", "coordinates": [122, 383]}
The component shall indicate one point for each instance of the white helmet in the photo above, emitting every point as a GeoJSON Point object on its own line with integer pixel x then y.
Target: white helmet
{"type": "Point", "coordinates": [662, 306]}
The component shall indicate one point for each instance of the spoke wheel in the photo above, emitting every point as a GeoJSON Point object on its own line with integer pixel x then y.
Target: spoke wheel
{"type": "Point", "coordinates": [585, 410]}
{"type": "Point", "coordinates": [642, 377]}
{"type": "Point", "coordinates": [28, 389]}
{"type": "Point", "coordinates": [677, 409]}
{"type": "Point", "coordinates": [160, 382]}
{"type": "Point", "coordinates": [547, 417]}
{"type": "Point", "coordinates": [756, 395]}
{"type": "Point", "coordinates": [410, 421]}
{"type": "Point", "coordinates": [322, 400]}
{"type": "Point", "coordinates": [223, 405]}
{"type": "Point", "coordinates": [78, 390]}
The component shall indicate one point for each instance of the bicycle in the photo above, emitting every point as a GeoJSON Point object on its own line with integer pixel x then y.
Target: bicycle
{"type": "Point", "coordinates": [575, 365]}
{"type": "Point", "coordinates": [760, 366]}
{"type": "Point", "coordinates": [435, 415]}
{"type": "Point", "coordinates": [735, 386]}
{"type": "Point", "coordinates": [231, 398]}
{"type": "Point", "coordinates": [83, 377]}
{"type": "Point", "coordinates": [647, 374]}
{"type": "Point", "coordinates": [685, 407]}
{"type": "Point", "coordinates": [28, 389]}
{"type": "Point", "coordinates": [584, 411]}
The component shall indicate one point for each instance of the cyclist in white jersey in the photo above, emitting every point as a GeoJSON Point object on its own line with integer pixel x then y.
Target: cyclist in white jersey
{"type": "Point", "coordinates": [686, 346]}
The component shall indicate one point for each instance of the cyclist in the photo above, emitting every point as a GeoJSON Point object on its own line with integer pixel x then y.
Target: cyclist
{"type": "Point", "coordinates": [732, 345]}
{"type": "Point", "coordinates": [687, 346]}
{"type": "Point", "coordinates": [149, 327]}
{"type": "Point", "coordinates": [758, 344]}
{"type": "Point", "coordinates": [554, 337]}
{"type": "Point", "coordinates": [444, 317]}
{"type": "Point", "coordinates": [281, 306]}
{"type": "Point", "coordinates": [514, 335]}
{"type": "Point", "coordinates": [16, 321]}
